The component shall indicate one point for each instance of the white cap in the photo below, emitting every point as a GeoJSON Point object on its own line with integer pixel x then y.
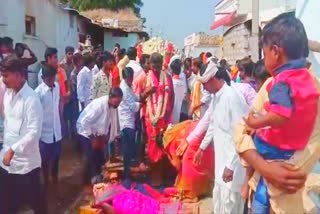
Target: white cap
{"type": "Point", "coordinates": [174, 58]}
{"type": "Point", "coordinates": [209, 73]}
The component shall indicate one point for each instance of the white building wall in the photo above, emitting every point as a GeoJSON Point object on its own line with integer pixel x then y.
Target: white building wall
{"type": "Point", "coordinates": [197, 43]}
{"type": "Point", "coordinates": [268, 8]}
{"type": "Point", "coordinates": [308, 13]}
{"type": "Point", "coordinates": [67, 34]}
{"type": "Point", "coordinates": [45, 18]}
{"type": "Point", "coordinates": [238, 41]}
{"type": "Point", "coordinates": [52, 28]}
{"type": "Point", "coordinates": [245, 6]}
{"type": "Point", "coordinates": [125, 42]}
{"type": "Point", "coordinates": [12, 16]}
{"type": "Point", "coordinates": [3, 19]}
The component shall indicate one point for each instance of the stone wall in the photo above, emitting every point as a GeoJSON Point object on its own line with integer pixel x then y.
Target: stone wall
{"type": "Point", "coordinates": [236, 44]}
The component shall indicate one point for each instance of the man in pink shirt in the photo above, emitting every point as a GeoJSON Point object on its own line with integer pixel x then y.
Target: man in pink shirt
{"type": "Point", "coordinates": [139, 82]}
{"type": "Point", "coordinates": [139, 86]}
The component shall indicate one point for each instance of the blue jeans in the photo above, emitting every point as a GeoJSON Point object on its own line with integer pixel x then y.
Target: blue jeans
{"type": "Point", "coordinates": [129, 149]}
{"type": "Point", "coordinates": [71, 114]}
{"type": "Point", "coordinates": [260, 202]}
{"type": "Point", "coordinates": [259, 208]}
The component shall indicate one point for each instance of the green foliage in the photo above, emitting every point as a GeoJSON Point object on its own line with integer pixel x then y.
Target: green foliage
{"type": "Point", "coordinates": [108, 4]}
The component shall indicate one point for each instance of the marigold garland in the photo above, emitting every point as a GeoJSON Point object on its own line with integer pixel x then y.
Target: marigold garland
{"type": "Point", "coordinates": [162, 99]}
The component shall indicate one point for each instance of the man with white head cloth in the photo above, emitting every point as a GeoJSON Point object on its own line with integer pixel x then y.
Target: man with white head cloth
{"type": "Point", "coordinates": [226, 110]}
{"type": "Point", "coordinates": [182, 75]}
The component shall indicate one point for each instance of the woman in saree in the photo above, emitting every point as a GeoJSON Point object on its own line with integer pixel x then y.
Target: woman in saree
{"type": "Point", "coordinates": [181, 143]}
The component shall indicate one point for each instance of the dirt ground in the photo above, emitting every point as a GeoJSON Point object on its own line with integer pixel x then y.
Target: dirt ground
{"type": "Point", "coordinates": [71, 193]}
{"type": "Point", "coordinates": [61, 198]}
{"type": "Point", "coordinates": [70, 179]}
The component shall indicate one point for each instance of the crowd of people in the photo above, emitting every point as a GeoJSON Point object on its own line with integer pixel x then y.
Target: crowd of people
{"type": "Point", "coordinates": [212, 126]}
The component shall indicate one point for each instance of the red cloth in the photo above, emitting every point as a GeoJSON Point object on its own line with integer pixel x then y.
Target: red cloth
{"type": "Point", "coordinates": [234, 72]}
{"type": "Point", "coordinates": [170, 47]}
{"type": "Point", "coordinates": [167, 60]}
{"type": "Point", "coordinates": [115, 77]}
{"type": "Point", "coordinates": [153, 193]}
{"type": "Point", "coordinates": [194, 180]}
{"type": "Point", "coordinates": [139, 86]}
{"type": "Point", "coordinates": [139, 52]}
{"type": "Point", "coordinates": [62, 81]}
{"type": "Point", "coordinates": [155, 151]}
{"type": "Point", "coordinates": [225, 21]}
{"type": "Point", "coordinates": [295, 133]}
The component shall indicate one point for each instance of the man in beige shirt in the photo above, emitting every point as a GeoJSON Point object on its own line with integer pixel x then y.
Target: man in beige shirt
{"type": "Point", "coordinates": [102, 81]}
{"type": "Point", "coordinates": [304, 161]}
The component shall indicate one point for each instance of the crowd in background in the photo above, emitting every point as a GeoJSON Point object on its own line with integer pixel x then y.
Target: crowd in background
{"type": "Point", "coordinates": [180, 114]}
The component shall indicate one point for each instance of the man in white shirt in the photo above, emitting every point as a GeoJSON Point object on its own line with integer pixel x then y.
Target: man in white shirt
{"type": "Point", "coordinates": [132, 55]}
{"type": "Point", "coordinates": [50, 141]}
{"type": "Point", "coordinates": [188, 78]}
{"type": "Point", "coordinates": [127, 110]}
{"type": "Point", "coordinates": [180, 90]}
{"type": "Point", "coordinates": [84, 81]}
{"type": "Point", "coordinates": [225, 111]}
{"type": "Point", "coordinates": [97, 125]}
{"type": "Point", "coordinates": [205, 96]}
{"type": "Point", "coordinates": [20, 159]}
{"type": "Point", "coordinates": [51, 59]}
{"type": "Point", "coordinates": [138, 73]}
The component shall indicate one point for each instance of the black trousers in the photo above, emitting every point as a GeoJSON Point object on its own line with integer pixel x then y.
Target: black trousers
{"type": "Point", "coordinates": [18, 190]}
{"type": "Point", "coordinates": [94, 158]}
{"type": "Point", "coordinates": [50, 156]}
{"type": "Point", "coordinates": [246, 209]}
{"type": "Point", "coordinates": [129, 149]}
{"type": "Point", "coordinates": [141, 138]}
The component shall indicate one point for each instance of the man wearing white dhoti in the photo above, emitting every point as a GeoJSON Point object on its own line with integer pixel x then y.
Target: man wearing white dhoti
{"type": "Point", "coordinates": [227, 110]}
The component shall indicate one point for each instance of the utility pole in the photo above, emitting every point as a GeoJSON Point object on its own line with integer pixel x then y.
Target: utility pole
{"type": "Point", "coordinates": [255, 30]}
